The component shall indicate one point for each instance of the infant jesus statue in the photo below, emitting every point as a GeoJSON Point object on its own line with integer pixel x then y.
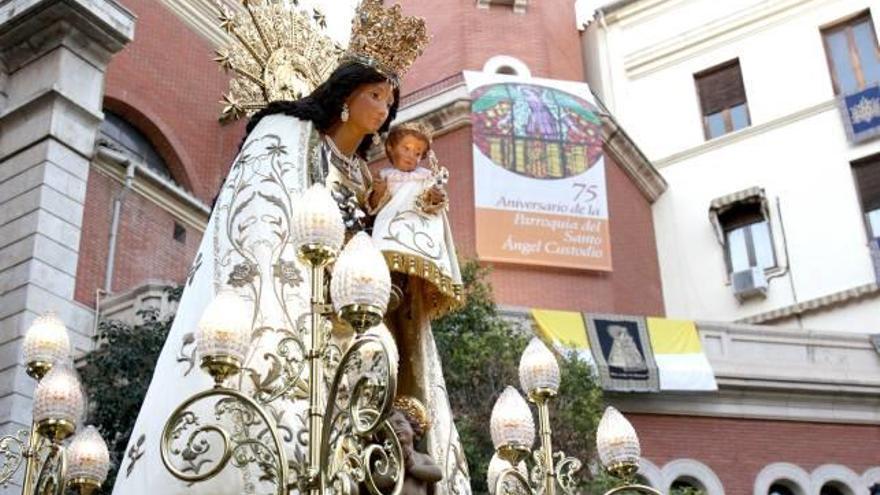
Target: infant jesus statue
{"type": "Point", "coordinates": [405, 147]}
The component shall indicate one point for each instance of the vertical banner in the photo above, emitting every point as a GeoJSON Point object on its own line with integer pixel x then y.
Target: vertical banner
{"type": "Point", "coordinates": [539, 173]}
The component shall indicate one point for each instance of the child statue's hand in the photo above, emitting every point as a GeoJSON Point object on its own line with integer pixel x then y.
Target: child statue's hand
{"type": "Point", "coordinates": [380, 187]}
{"type": "Point", "coordinates": [433, 199]}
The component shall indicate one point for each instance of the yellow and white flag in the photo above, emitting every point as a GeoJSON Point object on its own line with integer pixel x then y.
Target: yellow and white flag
{"type": "Point", "coordinates": [679, 355]}
{"type": "Point", "coordinates": [681, 363]}
{"type": "Point", "coordinates": [565, 331]}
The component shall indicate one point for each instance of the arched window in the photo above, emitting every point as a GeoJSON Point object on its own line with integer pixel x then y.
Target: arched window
{"type": "Point", "coordinates": [783, 487]}
{"type": "Point", "coordinates": [505, 64]}
{"type": "Point", "coordinates": [834, 488]}
{"type": "Point", "coordinates": [686, 485]}
{"type": "Point", "coordinates": [133, 142]}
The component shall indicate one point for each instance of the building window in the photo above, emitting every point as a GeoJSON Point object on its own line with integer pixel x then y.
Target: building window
{"type": "Point", "coordinates": [867, 176]}
{"type": "Point", "coordinates": [747, 238]}
{"type": "Point", "coordinates": [781, 488]}
{"type": "Point", "coordinates": [519, 6]}
{"type": "Point", "coordinates": [179, 233]}
{"type": "Point", "coordinates": [853, 54]}
{"type": "Point", "coordinates": [722, 99]}
{"type": "Point", "coordinates": [133, 142]}
{"type": "Point", "coordinates": [742, 224]}
{"type": "Point", "coordinates": [834, 489]}
{"type": "Point", "coordinates": [505, 64]}
{"type": "Point", "coordinates": [686, 486]}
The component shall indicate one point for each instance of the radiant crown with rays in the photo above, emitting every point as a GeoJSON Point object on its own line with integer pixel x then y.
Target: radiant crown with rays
{"type": "Point", "coordinates": [278, 51]}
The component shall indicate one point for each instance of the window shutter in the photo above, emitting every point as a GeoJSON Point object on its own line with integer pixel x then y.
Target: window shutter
{"type": "Point", "coordinates": [867, 175]}
{"type": "Point", "coordinates": [742, 214]}
{"type": "Point", "coordinates": [720, 88]}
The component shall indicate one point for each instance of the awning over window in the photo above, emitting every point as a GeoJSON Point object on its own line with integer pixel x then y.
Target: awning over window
{"type": "Point", "coordinates": [753, 196]}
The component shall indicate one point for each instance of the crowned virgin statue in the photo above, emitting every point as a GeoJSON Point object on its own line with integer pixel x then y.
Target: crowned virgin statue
{"type": "Point", "coordinates": [316, 110]}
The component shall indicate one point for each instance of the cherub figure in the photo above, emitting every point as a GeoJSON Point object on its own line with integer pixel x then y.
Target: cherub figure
{"type": "Point", "coordinates": [409, 420]}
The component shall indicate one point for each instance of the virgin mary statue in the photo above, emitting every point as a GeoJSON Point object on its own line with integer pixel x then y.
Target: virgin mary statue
{"type": "Point", "coordinates": [292, 142]}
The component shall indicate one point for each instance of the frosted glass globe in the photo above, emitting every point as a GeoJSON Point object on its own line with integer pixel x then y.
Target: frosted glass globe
{"type": "Point", "coordinates": [360, 275]}
{"type": "Point", "coordinates": [316, 220]}
{"type": "Point", "coordinates": [225, 327]}
{"type": "Point", "coordinates": [511, 422]}
{"type": "Point", "coordinates": [616, 440]}
{"type": "Point", "coordinates": [59, 396]}
{"type": "Point", "coordinates": [538, 368]}
{"type": "Point", "coordinates": [87, 457]}
{"type": "Point", "coordinates": [46, 341]}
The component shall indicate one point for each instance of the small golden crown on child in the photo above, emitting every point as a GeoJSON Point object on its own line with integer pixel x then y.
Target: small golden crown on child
{"type": "Point", "coordinates": [385, 39]}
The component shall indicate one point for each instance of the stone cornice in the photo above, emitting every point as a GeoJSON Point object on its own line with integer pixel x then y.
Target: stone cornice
{"type": "Point", "coordinates": [828, 301]}
{"type": "Point", "coordinates": [201, 16]}
{"type": "Point", "coordinates": [684, 45]}
{"type": "Point", "coordinates": [630, 158]}
{"type": "Point", "coordinates": [746, 133]}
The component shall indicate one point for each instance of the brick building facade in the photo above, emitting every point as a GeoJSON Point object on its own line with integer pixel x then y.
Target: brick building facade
{"type": "Point", "coordinates": [165, 85]}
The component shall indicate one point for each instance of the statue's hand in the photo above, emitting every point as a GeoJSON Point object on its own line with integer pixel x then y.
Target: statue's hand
{"type": "Point", "coordinates": [380, 186]}
{"type": "Point", "coordinates": [437, 195]}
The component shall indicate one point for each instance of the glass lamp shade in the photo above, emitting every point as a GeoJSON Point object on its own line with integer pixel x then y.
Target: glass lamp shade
{"type": "Point", "coordinates": [511, 423]}
{"type": "Point", "coordinates": [538, 369]}
{"type": "Point", "coordinates": [225, 327]}
{"type": "Point", "coordinates": [46, 341]}
{"type": "Point", "coordinates": [497, 466]}
{"type": "Point", "coordinates": [616, 441]}
{"type": "Point", "coordinates": [87, 457]}
{"type": "Point", "coordinates": [317, 220]}
{"type": "Point", "coordinates": [360, 276]}
{"type": "Point", "coordinates": [59, 396]}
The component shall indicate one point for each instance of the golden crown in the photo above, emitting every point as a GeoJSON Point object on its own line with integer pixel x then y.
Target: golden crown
{"type": "Point", "coordinates": [414, 411]}
{"type": "Point", "coordinates": [385, 39]}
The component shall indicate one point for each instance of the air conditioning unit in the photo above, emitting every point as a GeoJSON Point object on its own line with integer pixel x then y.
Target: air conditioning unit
{"type": "Point", "coordinates": [749, 283]}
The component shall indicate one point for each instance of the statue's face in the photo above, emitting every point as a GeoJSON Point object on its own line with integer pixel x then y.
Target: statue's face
{"type": "Point", "coordinates": [408, 152]}
{"type": "Point", "coordinates": [368, 106]}
{"type": "Point", "coordinates": [402, 428]}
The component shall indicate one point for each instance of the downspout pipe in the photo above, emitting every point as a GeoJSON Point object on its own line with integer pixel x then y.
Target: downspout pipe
{"type": "Point", "coordinates": [130, 168]}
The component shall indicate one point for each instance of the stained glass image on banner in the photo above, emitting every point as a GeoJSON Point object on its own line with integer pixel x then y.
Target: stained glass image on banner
{"type": "Point", "coordinates": [536, 131]}
{"type": "Point", "coordinates": [539, 172]}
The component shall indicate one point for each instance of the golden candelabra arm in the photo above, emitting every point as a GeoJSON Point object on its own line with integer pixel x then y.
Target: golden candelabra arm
{"type": "Point", "coordinates": [513, 482]}
{"type": "Point", "coordinates": [358, 445]}
{"type": "Point", "coordinates": [633, 488]}
{"type": "Point", "coordinates": [14, 450]}
{"type": "Point", "coordinates": [53, 471]}
{"type": "Point", "coordinates": [188, 444]}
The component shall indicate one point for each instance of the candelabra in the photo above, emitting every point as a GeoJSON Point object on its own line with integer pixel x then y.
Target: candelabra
{"type": "Point", "coordinates": [347, 439]}
{"type": "Point", "coordinates": [49, 465]}
{"type": "Point", "coordinates": [513, 434]}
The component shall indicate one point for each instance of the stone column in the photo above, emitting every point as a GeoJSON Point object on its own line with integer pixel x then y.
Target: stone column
{"type": "Point", "coordinates": [53, 55]}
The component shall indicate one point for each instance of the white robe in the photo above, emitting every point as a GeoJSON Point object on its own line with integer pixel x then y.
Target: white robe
{"type": "Point", "coordinates": [246, 245]}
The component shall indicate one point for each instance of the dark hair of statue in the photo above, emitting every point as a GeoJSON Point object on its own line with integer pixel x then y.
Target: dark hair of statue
{"type": "Point", "coordinates": [324, 106]}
